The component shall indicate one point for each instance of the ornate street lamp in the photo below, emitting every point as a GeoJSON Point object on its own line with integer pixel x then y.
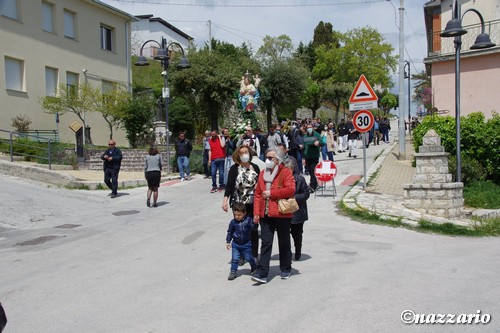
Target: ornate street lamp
{"type": "Point", "coordinates": [164, 57]}
{"type": "Point", "coordinates": [454, 29]}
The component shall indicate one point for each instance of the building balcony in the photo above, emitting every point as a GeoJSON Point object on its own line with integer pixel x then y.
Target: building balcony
{"type": "Point", "coordinates": [443, 48]}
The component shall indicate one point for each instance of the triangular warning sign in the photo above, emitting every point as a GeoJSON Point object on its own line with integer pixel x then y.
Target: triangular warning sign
{"type": "Point", "coordinates": [363, 92]}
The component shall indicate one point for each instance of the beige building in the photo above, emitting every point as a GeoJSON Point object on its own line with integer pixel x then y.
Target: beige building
{"type": "Point", "coordinates": [44, 43]}
{"type": "Point", "coordinates": [479, 70]}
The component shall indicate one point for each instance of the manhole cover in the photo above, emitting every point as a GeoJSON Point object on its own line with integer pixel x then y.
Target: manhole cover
{"type": "Point", "coordinates": [126, 212]}
{"type": "Point", "coordinates": [38, 240]}
{"type": "Point", "coordinates": [68, 226]}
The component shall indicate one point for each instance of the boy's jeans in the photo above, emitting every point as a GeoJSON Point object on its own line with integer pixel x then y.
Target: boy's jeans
{"type": "Point", "coordinates": [244, 251]}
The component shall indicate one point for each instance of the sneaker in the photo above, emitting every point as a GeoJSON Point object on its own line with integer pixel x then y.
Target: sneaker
{"type": "Point", "coordinates": [221, 188]}
{"type": "Point", "coordinates": [241, 262]}
{"type": "Point", "coordinates": [206, 177]}
{"type": "Point", "coordinates": [311, 190]}
{"type": "Point", "coordinates": [182, 179]}
{"type": "Point", "coordinates": [213, 190]}
{"type": "Point", "coordinates": [188, 177]}
{"type": "Point", "coordinates": [285, 275]}
{"type": "Point", "coordinates": [232, 275]}
{"type": "Point", "coordinates": [259, 279]}
{"type": "Point", "coordinates": [113, 195]}
{"type": "Point", "coordinates": [253, 270]}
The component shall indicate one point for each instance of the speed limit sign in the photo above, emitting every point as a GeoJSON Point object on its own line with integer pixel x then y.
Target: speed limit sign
{"type": "Point", "coordinates": [363, 121]}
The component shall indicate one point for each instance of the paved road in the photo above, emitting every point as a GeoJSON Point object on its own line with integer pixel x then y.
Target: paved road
{"type": "Point", "coordinates": [124, 267]}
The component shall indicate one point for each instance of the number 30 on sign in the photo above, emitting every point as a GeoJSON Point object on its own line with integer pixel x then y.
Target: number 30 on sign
{"type": "Point", "coordinates": [363, 120]}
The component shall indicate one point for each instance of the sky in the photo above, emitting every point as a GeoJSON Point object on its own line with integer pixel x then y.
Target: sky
{"type": "Point", "coordinates": [242, 21]}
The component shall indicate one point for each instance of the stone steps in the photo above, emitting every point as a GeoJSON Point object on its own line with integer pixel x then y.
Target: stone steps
{"type": "Point", "coordinates": [133, 160]}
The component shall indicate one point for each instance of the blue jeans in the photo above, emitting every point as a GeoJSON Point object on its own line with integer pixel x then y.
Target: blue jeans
{"type": "Point", "coordinates": [324, 152]}
{"type": "Point", "coordinates": [299, 160]}
{"type": "Point", "coordinates": [244, 251]}
{"type": "Point", "coordinates": [218, 164]}
{"type": "Point", "coordinates": [183, 164]}
{"type": "Point", "coordinates": [227, 165]}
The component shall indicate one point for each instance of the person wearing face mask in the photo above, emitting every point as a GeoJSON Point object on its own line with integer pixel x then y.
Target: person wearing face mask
{"type": "Point", "coordinates": [275, 182]}
{"type": "Point", "coordinates": [240, 187]}
{"type": "Point", "coordinates": [312, 146]}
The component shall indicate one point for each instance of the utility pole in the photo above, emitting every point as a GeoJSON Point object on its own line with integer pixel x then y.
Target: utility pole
{"type": "Point", "coordinates": [401, 120]}
{"type": "Point", "coordinates": [210, 36]}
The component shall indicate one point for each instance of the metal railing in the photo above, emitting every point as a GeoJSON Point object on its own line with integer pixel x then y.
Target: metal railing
{"type": "Point", "coordinates": [439, 46]}
{"type": "Point", "coordinates": [26, 145]}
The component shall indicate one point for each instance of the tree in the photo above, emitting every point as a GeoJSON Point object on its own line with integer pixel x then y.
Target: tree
{"type": "Point", "coordinates": [274, 49]}
{"type": "Point", "coordinates": [422, 89]}
{"type": "Point", "coordinates": [311, 97]}
{"type": "Point", "coordinates": [323, 35]}
{"type": "Point", "coordinates": [77, 99]}
{"type": "Point", "coordinates": [336, 93]}
{"type": "Point", "coordinates": [282, 87]}
{"type": "Point", "coordinates": [361, 51]}
{"type": "Point", "coordinates": [109, 104]}
{"type": "Point", "coordinates": [136, 114]}
{"type": "Point", "coordinates": [388, 102]}
{"type": "Point", "coordinates": [212, 81]}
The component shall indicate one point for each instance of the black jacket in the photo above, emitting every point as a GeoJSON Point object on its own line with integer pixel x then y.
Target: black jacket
{"type": "Point", "coordinates": [301, 195]}
{"type": "Point", "coordinates": [116, 162]}
{"type": "Point", "coordinates": [183, 147]}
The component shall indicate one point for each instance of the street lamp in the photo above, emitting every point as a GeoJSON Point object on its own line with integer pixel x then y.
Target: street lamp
{"type": "Point", "coordinates": [454, 29]}
{"type": "Point", "coordinates": [407, 76]}
{"type": "Point", "coordinates": [164, 56]}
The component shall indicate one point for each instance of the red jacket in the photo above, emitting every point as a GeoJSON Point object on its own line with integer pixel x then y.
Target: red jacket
{"type": "Point", "coordinates": [282, 187]}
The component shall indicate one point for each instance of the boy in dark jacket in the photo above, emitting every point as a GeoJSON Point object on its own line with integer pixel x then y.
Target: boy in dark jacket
{"type": "Point", "coordinates": [239, 232]}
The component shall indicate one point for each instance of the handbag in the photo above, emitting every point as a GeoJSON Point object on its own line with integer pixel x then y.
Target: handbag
{"type": "Point", "coordinates": [288, 206]}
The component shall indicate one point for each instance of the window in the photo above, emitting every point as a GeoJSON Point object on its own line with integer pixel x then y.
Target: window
{"type": "Point", "coordinates": [8, 8]}
{"type": "Point", "coordinates": [14, 74]}
{"type": "Point", "coordinates": [48, 16]}
{"type": "Point", "coordinates": [50, 81]}
{"type": "Point", "coordinates": [69, 24]}
{"type": "Point", "coordinates": [72, 83]}
{"type": "Point", "coordinates": [107, 37]}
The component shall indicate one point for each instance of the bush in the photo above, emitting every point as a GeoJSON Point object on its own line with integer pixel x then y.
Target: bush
{"type": "Point", "coordinates": [472, 170]}
{"type": "Point", "coordinates": [482, 194]}
{"type": "Point", "coordinates": [479, 140]}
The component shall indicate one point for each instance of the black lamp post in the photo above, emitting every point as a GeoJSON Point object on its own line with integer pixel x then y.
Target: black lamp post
{"type": "Point", "coordinates": [407, 76]}
{"type": "Point", "coordinates": [454, 29]}
{"type": "Point", "coordinates": [164, 57]}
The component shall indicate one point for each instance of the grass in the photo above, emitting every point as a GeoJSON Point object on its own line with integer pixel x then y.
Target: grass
{"type": "Point", "coordinates": [480, 227]}
{"type": "Point", "coordinates": [482, 194]}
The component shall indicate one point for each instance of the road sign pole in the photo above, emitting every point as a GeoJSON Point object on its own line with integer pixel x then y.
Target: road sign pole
{"type": "Point", "coordinates": [364, 159]}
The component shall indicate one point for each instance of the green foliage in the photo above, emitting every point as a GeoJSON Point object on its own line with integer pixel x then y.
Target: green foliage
{"type": "Point", "coordinates": [479, 140]}
{"type": "Point", "coordinates": [482, 194]}
{"type": "Point", "coordinates": [180, 118]}
{"type": "Point", "coordinates": [323, 35]}
{"type": "Point", "coordinates": [471, 170]}
{"type": "Point", "coordinates": [282, 87]}
{"type": "Point", "coordinates": [388, 102]}
{"type": "Point", "coordinates": [275, 49]}
{"type": "Point", "coordinates": [136, 118]}
{"type": "Point", "coordinates": [74, 99]}
{"type": "Point", "coordinates": [361, 51]}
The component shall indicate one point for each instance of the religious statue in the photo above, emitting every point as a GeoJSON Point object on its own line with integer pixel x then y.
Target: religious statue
{"type": "Point", "coordinates": [249, 95]}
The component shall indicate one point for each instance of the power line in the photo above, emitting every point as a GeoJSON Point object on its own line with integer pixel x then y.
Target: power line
{"type": "Point", "coordinates": [166, 3]}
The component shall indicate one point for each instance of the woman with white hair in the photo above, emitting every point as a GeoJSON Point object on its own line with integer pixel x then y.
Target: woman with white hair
{"type": "Point", "coordinates": [275, 182]}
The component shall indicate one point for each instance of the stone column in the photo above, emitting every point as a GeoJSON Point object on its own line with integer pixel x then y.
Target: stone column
{"type": "Point", "coordinates": [432, 191]}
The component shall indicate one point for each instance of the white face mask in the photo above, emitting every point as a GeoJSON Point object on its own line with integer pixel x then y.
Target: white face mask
{"type": "Point", "coordinates": [269, 164]}
{"type": "Point", "coordinates": [245, 158]}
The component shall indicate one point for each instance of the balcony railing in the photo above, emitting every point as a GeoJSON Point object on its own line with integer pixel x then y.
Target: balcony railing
{"type": "Point", "coordinates": [439, 46]}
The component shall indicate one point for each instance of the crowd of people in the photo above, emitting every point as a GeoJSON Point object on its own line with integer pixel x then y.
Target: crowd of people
{"type": "Point", "coordinates": [255, 171]}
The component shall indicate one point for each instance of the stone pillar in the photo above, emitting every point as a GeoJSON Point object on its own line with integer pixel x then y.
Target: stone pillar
{"type": "Point", "coordinates": [160, 128]}
{"type": "Point", "coordinates": [432, 191]}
